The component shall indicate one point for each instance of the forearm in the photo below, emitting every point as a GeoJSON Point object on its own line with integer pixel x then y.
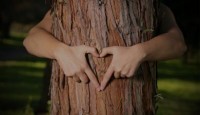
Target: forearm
{"type": "Point", "coordinates": [165, 46]}
{"type": "Point", "coordinates": [41, 43]}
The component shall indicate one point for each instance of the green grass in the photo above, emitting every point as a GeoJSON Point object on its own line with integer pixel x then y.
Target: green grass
{"type": "Point", "coordinates": [21, 78]}
{"type": "Point", "coordinates": [179, 84]}
{"type": "Point", "coordinates": [21, 83]}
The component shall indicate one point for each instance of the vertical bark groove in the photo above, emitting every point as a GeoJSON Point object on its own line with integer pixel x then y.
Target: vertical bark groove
{"type": "Point", "coordinates": [104, 23]}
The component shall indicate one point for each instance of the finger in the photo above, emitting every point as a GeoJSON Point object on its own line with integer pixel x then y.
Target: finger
{"type": "Point", "coordinates": [132, 71]}
{"type": "Point", "coordinates": [117, 75]}
{"type": "Point", "coordinates": [92, 78]}
{"type": "Point", "coordinates": [83, 77]}
{"type": "Point", "coordinates": [125, 71]}
{"type": "Point", "coordinates": [106, 77]}
{"type": "Point", "coordinates": [123, 75]}
{"type": "Point", "coordinates": [105, 51]}
{"type": "Point", "coordinates": [92, 51]}
{"type": "Point", "coordinates": [76, 78]}
{"type": "Point", "coordinates": [69, 76]}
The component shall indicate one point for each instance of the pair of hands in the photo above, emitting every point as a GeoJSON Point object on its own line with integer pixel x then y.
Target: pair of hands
{"type": "Point", "coordinates": [124, 63]}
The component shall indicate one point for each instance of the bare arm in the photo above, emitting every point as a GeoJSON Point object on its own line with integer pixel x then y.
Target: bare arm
{"type": "Point", "coordinates": [40, 42]}
{"type": "Point", "coordinates": [169, 44]}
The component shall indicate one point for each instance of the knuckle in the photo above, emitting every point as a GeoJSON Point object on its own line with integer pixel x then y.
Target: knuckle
{"type": "Point", "coordinates": [72, 74]}
{"type": "Point", "coordinates": [117, 69]}
{"type": "Point", "coordinates": [84, 66]}
{"type": "Point", "coordinates": [69, 73]}
{"type": "Point", "coordinates": [85, 81]}
{"type": "Point", "coordinates": [93, 49]}
{"type": "Point", "coordinates": [116, 76]}
{"type": "Point", "coordinates": [77, 80]}
{"type": "Point", "coordinates": [123, 73]}
{"type": "Point", "coordinates": [79, 70]}
{"type": "Point", "coordinates": [129, 75]}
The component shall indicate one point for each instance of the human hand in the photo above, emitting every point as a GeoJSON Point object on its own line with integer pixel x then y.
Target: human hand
{"type": "Point", "coordinates": [125, 62]}
{"type": "Point", "coordinates": [73, 62]}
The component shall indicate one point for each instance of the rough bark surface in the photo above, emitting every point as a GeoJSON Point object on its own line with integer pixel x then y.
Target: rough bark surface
{"type": "Point", "coordinates": [103, 23]}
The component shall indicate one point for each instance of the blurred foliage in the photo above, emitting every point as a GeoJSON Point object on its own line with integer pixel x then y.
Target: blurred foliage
{"type": "Point", "coordinates": [20, 11]}
{"type": "Point", "coordinates": [24, 11]}
{"type": "Point", "coordinates": [179, 85]}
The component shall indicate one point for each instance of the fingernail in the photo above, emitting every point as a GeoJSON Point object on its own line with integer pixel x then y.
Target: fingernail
{"type": "Point", "coordinates": [98, 89]}
{"type": "Point", "coordinates": [101, 88]}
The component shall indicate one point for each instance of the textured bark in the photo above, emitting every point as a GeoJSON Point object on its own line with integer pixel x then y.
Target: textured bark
{"type": "Point", "coordinates": [103, 23]}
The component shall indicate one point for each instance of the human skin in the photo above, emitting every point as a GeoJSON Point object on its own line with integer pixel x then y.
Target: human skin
{"type": "Point", "coordinates": [167, 45]}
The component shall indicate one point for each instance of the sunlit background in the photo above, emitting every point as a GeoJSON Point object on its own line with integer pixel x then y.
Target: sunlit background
{"type": "Point", "coordinates": [24, 79]}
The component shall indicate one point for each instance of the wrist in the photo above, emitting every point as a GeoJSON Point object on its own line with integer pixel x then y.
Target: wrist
{"type": "Point", "coordinates": [141, 52]}
{"type": "Point", "coordinates": [59, 50]}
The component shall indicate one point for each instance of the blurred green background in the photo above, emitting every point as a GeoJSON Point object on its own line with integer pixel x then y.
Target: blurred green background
{"type": "Point", "coordinates": [23, 77]}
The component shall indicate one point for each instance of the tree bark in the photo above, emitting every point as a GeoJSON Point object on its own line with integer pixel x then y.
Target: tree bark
{"type": "Point", "coordinates": [104, 23]}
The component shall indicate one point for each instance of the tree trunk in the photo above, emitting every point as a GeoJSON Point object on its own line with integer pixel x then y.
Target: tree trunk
{"type": "Point", "coordinates": [104, 23]}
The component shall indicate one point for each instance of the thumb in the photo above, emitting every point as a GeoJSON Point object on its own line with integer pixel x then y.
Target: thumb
{"type": "Point", "coordinates": [105, 51]}
{"type": "Point", "coordinates": [92, 51]}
